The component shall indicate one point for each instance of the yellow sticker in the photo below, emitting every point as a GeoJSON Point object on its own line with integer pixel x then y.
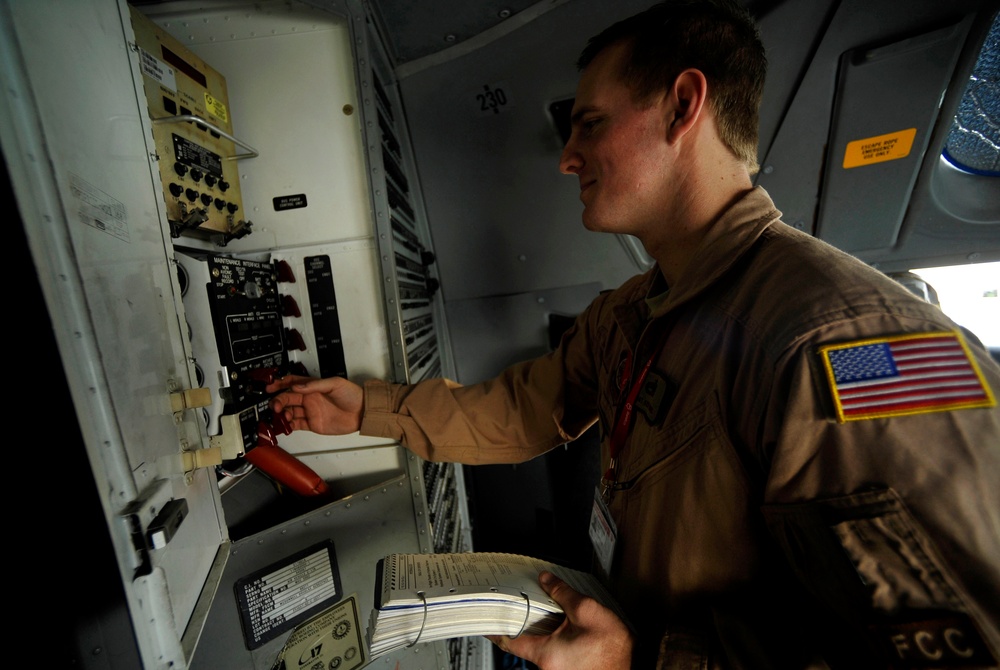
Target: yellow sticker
{"type": "Point", "coordinates": [331, 639]}
{"type": "Point", "coordinates": [880, 148]}
{"type": "Point", "coordinates": [216, 107]}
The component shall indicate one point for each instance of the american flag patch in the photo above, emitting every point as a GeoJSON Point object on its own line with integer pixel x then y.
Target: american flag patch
{"type": "Point", "coordinates": [909, 374]}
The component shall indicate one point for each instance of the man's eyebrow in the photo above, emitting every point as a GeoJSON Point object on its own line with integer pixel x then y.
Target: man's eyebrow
{"type": "Point", "coordinates": [580, 113]}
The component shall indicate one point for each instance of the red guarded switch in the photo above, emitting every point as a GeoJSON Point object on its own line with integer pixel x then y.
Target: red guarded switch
{"type": "Point", "coordinates": [289, 307]}
{"type": "Point", "coordinates": [281, 425]}
{"type": "Point", "coordinates": [285, 273]}
{"type": "Point", "coordinates": [293, 340]}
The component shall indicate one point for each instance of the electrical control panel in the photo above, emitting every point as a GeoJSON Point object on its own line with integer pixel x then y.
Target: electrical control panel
{"type": "Point", "coordinates": [169, 341]}
{"type": "Point", "coordinates": [192, 127]}
{"type": "Point", "coordinates": [233, 310]}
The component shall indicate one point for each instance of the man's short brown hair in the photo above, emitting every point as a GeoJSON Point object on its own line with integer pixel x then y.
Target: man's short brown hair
{"type": "Point", "coordinates": [717, 37]}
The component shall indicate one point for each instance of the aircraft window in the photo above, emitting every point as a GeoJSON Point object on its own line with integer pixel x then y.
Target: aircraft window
{"type": "Point", "coordinates": [974, 141]}
{"type": "Point", "coordinates": [970, 295]}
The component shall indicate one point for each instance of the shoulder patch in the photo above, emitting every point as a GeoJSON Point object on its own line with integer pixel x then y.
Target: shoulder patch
{"type": "Point", "coordinates": [906, 374]}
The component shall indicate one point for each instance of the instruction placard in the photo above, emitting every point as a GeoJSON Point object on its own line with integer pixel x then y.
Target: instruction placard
{"type": "Point", "coordinates": [878, 149]}
{"type": "Point", "coordinates": [283, 595]}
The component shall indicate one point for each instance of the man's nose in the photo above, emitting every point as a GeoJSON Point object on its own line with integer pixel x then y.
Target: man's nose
{"type": "Point", "coordinates": [570, 161]}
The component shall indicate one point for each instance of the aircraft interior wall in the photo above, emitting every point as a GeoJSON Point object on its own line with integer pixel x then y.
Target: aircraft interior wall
{"type": "Point", "coordinates": [402, 219]}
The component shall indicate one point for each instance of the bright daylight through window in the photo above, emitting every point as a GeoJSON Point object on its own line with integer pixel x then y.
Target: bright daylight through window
{"type": "Point", "coordinates": [970, 295]}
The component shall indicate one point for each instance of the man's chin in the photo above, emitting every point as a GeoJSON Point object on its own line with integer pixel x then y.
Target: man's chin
{"type": "Point", "coordinates": [594, 224]}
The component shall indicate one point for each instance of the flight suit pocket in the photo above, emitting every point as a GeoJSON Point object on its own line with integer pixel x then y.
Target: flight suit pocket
{"type": "Point", "coordinates": [867, 558]}
{"type": "Point", "coordinates": [686, 481]}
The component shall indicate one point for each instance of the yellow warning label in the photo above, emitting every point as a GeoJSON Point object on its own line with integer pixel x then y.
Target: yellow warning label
{"type": "Point", "coordinates": [879, 149]}
{"type": "Point", "coordinates": [216, 107]}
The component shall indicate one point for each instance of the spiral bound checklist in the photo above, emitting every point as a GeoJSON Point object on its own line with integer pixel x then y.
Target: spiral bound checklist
{"type": "Point", "coordinates": [427, 597]}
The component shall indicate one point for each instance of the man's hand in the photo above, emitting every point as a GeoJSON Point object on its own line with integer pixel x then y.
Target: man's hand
{"type": "Point", "coordinates": [330, 406]}
{"type": "Point", "coordinates": [591, 636]}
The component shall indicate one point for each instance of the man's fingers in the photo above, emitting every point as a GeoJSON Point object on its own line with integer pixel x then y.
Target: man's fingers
{"type": "Point", "coordinates": [287, 399]}
{"type": "Point", "coordinates": [285, 382]}
{"type": "Point", "coordinates": [307, 385]}
{"type": "Point", "coordinates": [523, 646]}
{"type": "Point", "coordinates": [498, 640]}
{"type": "Point", "coordinates": [564, 594]}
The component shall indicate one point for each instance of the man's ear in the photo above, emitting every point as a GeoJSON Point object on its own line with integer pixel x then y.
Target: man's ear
{"type": "Point", "coordinates": [686, 102]}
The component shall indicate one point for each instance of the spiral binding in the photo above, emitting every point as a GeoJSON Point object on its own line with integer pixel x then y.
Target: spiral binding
{"type": "Point", "coordinates": [527, 613]}
{"type": "Point", "coordinates": [423, 622]}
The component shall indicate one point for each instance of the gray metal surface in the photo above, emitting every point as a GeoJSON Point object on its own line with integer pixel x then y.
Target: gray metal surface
{"type": "Point", "coordinates": [84, 187]}
{"type": "Point", "coordinates": [387, 518]}
{"type": "Point", "coordinates": [886, 214]}
{"type": "Point", "coordinates": [503, 219]}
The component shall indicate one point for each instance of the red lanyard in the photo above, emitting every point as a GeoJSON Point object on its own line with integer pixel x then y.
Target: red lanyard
{"type": "Point", "coordinates": [625, 416]}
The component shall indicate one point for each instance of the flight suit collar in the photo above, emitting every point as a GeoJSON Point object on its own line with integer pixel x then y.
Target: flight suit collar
{"type": "Point", "coordinates": [725, 242]}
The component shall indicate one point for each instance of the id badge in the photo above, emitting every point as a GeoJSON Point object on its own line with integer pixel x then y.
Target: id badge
{"type": "Point", "coordinates": [603, 533]}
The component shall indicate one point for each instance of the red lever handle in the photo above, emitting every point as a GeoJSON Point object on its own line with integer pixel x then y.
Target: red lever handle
{"type": "Point", "coordinates": [282, 466]}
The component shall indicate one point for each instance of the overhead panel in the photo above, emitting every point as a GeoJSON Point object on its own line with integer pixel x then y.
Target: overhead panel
{"type": "Point", "coordinates": [886, 107]}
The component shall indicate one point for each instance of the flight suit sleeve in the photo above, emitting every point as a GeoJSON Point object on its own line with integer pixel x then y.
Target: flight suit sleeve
{"type": "Point", "coordinates": [891, 522]}
{"type": "Point", "coordinates": [526, 410]}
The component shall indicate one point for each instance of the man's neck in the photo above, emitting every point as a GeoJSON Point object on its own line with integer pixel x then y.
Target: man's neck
{"type": "Point", "coordinates": [703, 204]}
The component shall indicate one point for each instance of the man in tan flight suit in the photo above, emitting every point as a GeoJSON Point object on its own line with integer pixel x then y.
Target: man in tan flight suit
{"type": "Point", "coordinates": [802, 459]}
